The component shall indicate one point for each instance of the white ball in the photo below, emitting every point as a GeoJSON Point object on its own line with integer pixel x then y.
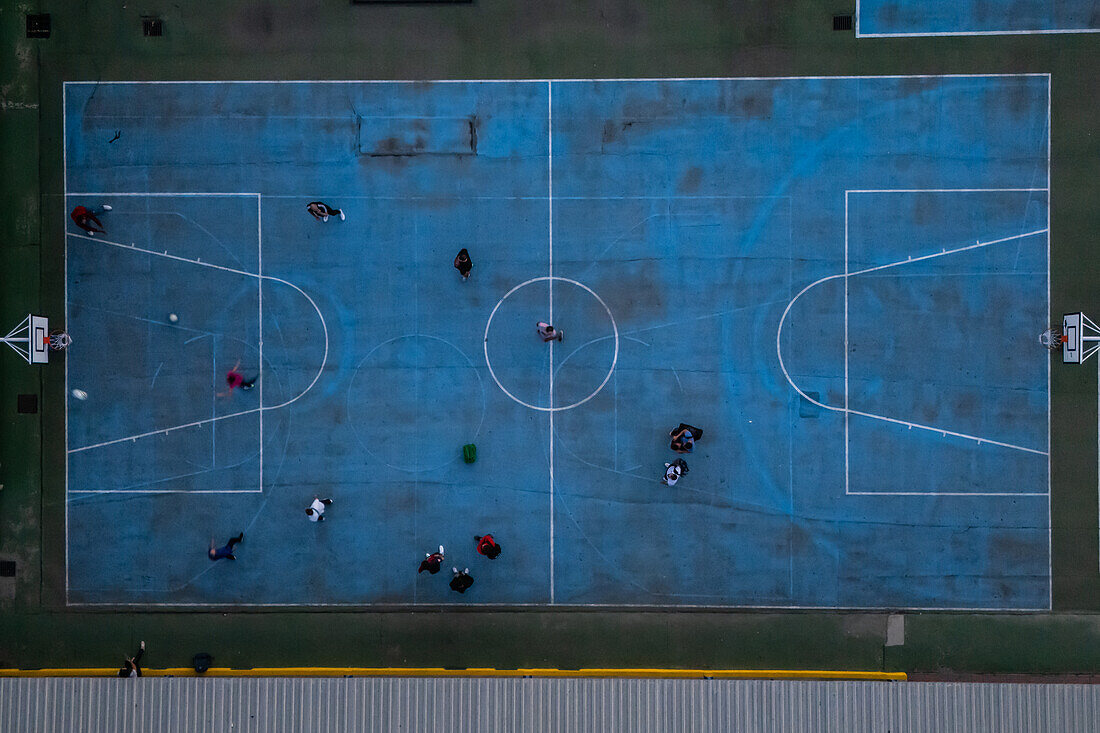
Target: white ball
{"type": "Point", "coordinates": [80, 394]}
{"type": "Point", "coordinates": [173, 317]}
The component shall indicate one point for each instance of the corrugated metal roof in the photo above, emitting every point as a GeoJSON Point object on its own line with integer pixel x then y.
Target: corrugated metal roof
{"type": "Point", "coordinates": [197, 705]}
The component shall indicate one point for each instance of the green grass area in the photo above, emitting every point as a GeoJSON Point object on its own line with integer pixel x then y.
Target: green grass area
{"type": "Point", "coordinates": [496, 39]}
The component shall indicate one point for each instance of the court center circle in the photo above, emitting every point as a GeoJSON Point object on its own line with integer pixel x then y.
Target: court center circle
{"type": "Point", "coordinates": [614, 328]}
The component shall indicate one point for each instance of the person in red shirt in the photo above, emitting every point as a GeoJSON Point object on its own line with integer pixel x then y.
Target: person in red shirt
{"type": "Point", "coordinates": [84, 218]}
{"type": "Point", "coordinates": [431, 561]}
{"type": "Point", "coordinates": [487, 546]}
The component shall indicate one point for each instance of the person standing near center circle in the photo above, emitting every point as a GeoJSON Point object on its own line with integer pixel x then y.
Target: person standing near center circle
{"type": "Point", "coordinates": [549, 333]}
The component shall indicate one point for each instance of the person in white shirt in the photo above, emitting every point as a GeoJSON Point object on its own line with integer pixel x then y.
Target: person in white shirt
{"type": "Point", "coordinates": [673, 471]}
{"type": "Point", "coordinates": [549, 333]}
{"type": "Point", "coordinates": [316, 510]}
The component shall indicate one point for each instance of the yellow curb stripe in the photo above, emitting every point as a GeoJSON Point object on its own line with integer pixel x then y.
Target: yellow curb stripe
{"type": "Point", "coordinates": [618, 673]}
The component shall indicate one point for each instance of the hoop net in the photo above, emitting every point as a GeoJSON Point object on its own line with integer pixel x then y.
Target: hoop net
{"type": "Point", "coordinates": [1052, 339]}
{"type": "Point", "coordinates": [59, 340]}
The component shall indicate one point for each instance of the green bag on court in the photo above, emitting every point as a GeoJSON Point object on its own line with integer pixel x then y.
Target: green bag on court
{"type": "Point", "coordinates": [469, 452]}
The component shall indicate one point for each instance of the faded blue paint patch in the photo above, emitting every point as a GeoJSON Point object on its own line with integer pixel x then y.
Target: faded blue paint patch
{"type": "Point", "coordinates": [695, 210]}
{"type": "Point", "coordinates": [939, 17]}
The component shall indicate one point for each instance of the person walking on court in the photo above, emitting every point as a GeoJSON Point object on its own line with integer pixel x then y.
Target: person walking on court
{"type": "Point", "coordinates": [84, 218]}
{"type": "Point", "coordinates": [322, 211]}
{"type": "Point", "coordinates": [463, 264]}
{"type": "Point", "coordinates": [235, 379]}
{"type": "Point", "coordinates": [487, 546]}
{"type": "Point", "coordinates": [673, 471]}
{"type": "Point", "coordinates": [548, 332]}
{"type": "Point", "coordinates": [225, 552]}
{"type": "Point", "coordinates": [431, 561]}
{"type": "Point", "coordinates": [132, 666]}
{"type": "Point", "coordinates": [461, 580]}
{"type": "Point", "coordinates": [684, 437]}
{"type": "Point", "coordinates": [316, 510]}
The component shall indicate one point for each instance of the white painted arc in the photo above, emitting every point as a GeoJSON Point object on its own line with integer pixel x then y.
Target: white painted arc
{"type": "Point", "coordinates": [320, 370]}
{"type": "Point", "coordinates": [614, 359]}
{"type": "Point", "coordinates": [931, 428]}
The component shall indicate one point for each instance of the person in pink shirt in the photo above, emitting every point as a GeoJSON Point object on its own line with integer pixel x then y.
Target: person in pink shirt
{"type": "Point", "coordinates": [235, 379]}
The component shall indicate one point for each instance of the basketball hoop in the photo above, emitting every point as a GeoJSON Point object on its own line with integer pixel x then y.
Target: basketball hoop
{"type": "Point", "coordinates": [1052, 339]}
{"type": "Point", "coordinates": [31, 339]}
{"type": "Point", "coordinates": [59, 340]}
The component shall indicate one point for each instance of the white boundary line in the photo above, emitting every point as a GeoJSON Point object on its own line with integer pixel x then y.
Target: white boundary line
{"type": "Point", "coordinates": [165, 491]}
{"type": "Point", "coordinates": [65, 305]}
{"type": "Point", "coordinates": [260, 301]}
{"type": "Point", "coordinates": [847, 415]}
{"type": "Point", "coordinates": [977, 33]}
{"type": "Point", "coordinates": [943, 190]}
{"type": "Point", "coordinates": [1050, 404]}
{"type": "Point", "coordinates": [561, 80]}
{"type": "Point", "coordinates": [324, 360]}
{"type": "Point", "coordinates": [151, 194]}
{"type": "Point", "coordinates": [550, 282]}
{"type": "Point", "coordinates": [230, 605]}
{"type": "Point", "coordinates": [967, 33]}
{"type": "Point", "coordinates": [164, 431]}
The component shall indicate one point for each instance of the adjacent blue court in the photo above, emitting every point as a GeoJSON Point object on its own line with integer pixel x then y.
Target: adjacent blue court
{"type": "Point", "coordinates": [975, 17]}
{"type": "Point", "coordinates": [841, 280]}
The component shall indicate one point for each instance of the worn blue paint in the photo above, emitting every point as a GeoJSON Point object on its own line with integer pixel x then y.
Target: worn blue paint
{"type": "Point", "coordinates": [697, 210]}
{"type": "Point", "coordinates": [959, 17]}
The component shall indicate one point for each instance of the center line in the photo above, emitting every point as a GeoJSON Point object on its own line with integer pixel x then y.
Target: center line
{"type": "Point", "coordinates": [550, 197]}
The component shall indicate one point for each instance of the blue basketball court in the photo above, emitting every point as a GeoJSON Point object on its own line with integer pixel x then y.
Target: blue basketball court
{"type": "Point", "coordinates": [841, 280]}
{"type": "Point", "coordinates": [975, 17]}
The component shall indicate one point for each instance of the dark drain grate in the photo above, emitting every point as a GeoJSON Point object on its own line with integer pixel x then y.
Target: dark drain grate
{"type": "Point", "coordinates": [38, 25]}
{"type": "Point", "coordinates": [152, 27]}
{"type": "Point", "coordinates": [842, 22]}
{"type": "Point", "coordinates": [7, 568]}
{"type": "Point", "coordinates": [27, 404]}
{"type": "Point", "coordinates": [807, 408]}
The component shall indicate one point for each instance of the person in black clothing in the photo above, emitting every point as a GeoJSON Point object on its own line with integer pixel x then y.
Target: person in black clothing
{"type": "Point", "coordinates": [463, 263]}
{"type": "Point", "coordinates": [684, 437]}
{"type": "Point", "coordinates": [461, 580]}
{"type": "Point", "coordinates": [132, 668]}
{"type": "Point", "coordinates": [322, 211]}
